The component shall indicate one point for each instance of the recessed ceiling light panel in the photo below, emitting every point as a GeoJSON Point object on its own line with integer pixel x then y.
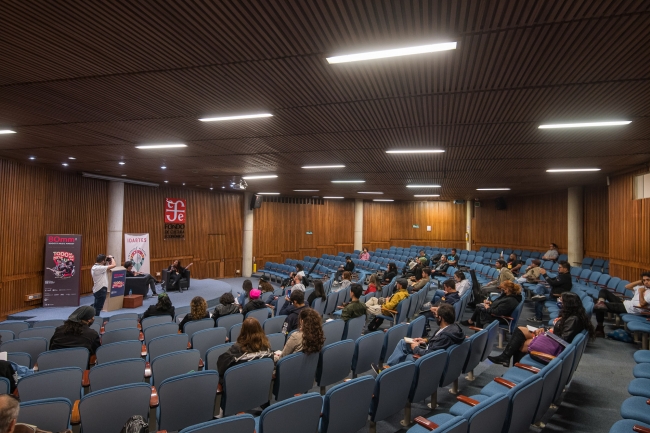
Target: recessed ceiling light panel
{"type": "Point", "coordinates": [306, 190]}
{"type": "Point", "coordinates": [585, 125]}
{"type": "Point", "coordinates": [416, 185]}
{"type": "Point", "coordinates": [160, 146]}
{"type": "Point", "coordinates": [416, 151]}
{"type": "Point", "coordinates": [262, 176]}
{"type": "Point", "coordinates": [563, 170]}
{"type": "Point", "coordinates": [370, 192]}
{"type": "Point", "coordinates": [493, 189]}
{"type": "Point", "coordinates": [243, 116]}
{"type": "Point", "coordinates": [426, 195]}
{"type": "Point", "coordinates": [7, 131]}
{"type": "Point", "coordinates": [332, 197]}
{"type": "Point", "coordinates": [348, 181]}
{"type": "Point", "coordinates": [382, 199]}
{"type": "Point", "coordinates": [324, 166]}
{"type": "Point", "coordinates": [268, 193]}
{"type": "Point", "coordinates": [407, 51]}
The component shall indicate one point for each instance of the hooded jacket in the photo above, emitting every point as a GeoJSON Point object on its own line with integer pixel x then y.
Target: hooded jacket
{"type": "Point", "coordinates": [224, 310]}
{"type": "Point", "coordinates": [452, 334]}
{"type": "Point", "coordinates": [291, 322]}
{"type": "Point", "coordinates": [254, 304]}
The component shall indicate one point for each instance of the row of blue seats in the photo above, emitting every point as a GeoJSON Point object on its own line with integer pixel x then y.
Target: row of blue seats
{"type": "Point", "coordinates": [635, 411]}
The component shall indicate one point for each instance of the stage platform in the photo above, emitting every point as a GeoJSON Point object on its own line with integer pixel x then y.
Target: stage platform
{"type": "Point", "coordinates": [209, 289]}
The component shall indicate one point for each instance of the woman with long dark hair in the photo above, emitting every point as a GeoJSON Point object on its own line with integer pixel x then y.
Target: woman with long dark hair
{"type": "Point", "coordinates": [308, 339]}
{"type": "Point", "coordinates": [162, 308]}
{"type": "Point", "coordinates": [504, 305]}
{"type": "Point", "coordinates": [571, 321]}
{"type": "Point", "coordinates": [251, 344]}
{"type": "Point", "coordinates": [391, 272]}
{"type": "Point", "coordinates": [246, 286]}
{"type": "Point", "coordinates": [198, 311]}
{"type": "Point", "coordinates": [318, 293]}
{"type": "Point", "coordinates": [176, 272]}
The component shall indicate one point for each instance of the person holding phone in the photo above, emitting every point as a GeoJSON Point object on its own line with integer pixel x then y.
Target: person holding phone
{"type": "Point", "coordinates": [102, 264]}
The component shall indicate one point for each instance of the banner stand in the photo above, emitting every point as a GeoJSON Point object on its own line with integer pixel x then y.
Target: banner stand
{"type": "Point", "coordinates": [115, 295]}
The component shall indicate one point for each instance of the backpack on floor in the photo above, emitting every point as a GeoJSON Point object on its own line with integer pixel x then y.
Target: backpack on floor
{"type": "Point", "coordinates": [621, 335]}
{"type": "Point", "coordinates": [135, 424]}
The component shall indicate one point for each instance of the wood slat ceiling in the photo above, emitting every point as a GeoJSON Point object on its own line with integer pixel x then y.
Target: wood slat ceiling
{"type": "Point", "coordinates": [93, 79]}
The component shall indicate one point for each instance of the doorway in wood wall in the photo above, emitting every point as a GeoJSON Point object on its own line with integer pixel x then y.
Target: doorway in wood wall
{"type": "Point", "coordinates": [216, 255]}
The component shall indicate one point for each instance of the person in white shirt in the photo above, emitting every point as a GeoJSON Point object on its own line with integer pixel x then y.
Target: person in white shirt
{"type": "Point", "coordinates": [551, 254]}
{"type": "Point", "coordinates": [100, 280]}
{"type": "Point", "coordinates": [608, 302]}
{"type": "Point", "coordinates": [462, 283]}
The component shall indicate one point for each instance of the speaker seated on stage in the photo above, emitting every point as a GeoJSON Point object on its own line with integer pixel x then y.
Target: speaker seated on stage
{"type": "Point", "coordinates": [138, 282]}
{"type": "Point", "coordinates": [176, 277]}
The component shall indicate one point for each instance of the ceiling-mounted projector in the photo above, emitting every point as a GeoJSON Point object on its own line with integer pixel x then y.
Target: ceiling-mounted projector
{"type": "Point", "coordinates": [242, 185]}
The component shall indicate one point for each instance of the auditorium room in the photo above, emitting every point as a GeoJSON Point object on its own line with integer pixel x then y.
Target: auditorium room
{"type": "Point", "coordinates": [325, 216]}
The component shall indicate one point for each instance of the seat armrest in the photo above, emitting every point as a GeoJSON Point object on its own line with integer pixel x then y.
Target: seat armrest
{"type": "Point", "coordinates": [141, 336]}
{"type": "Point", "coordinates": [640, 429]}
{"type": "Point", "coordinates": [527, 367]}
{"type": "Point", "coordinates": [508, 384]}
{"type": "Point", "coordinates": [542, 355]}
{"type": "Point", "coordinates": [85, 379]}
{"type": "Point", "coordinates": [93, 360]}
{"type": "Point", "coordinates": [143, 350]}
{"type": "Point", "coordinates": [416, 356]}
{"type": "Point", "coordinates": [76, 417]}
{"type": "Point", "coordinates": [467, 400]}
{"type": "Point", "coordinates": [189, 344]}
{"type": "Point", "coordinates": [474, 328]}
{"type": "Point", "coordinates": [153, 400]}
{"type": "Point", "coordinates": [147, 369]}
{"type": "Point", "coordinates": [201, 364]}
{"type": "Point", "coordinates": [429, 425]}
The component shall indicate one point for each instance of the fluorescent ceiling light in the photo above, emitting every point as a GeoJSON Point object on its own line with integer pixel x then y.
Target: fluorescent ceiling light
{"type": "Point", "coordinates": [562, 170]}
{"type": "Point", "coordinates": [160, 146]}
{"type": "Point", "coordinates": [585, 125]}
{"type": "Point", "coordinates": [422, 186]}
{"type": "Point", "coordinates": [71, 157]}
{"type": "Point", "coordinates": [118, 179]}
{"type": "Point", "coordinates": [333, 197]}
{"type": "Point", "coordinates": [382, 199]}
{"type": "Point", "coordinates": [268, 193]}
{"type": "Point", "coordinates": [244, 116]}
{"type": "Point", "coordinates": [306, 190]}
{"type": "Point", "coordinates": [263, 176]}
{"type": "Point", "coordinates": [164, 167]}
{"type": "Point", "coordinates": [7, 131]}
{"type": "Point", "coordinates": [493, 189]}
{"type": "Point", "coordinates": [422, 49]}
{"type": "Point", "coordinates": [370, 192]}
{"type": "Point", "coordinates": [210, 188]}
{"type": "Point", "coordinates": [426, 195]}
{"type": "Point", "coordinates": [416, 151]}
{"type": "Point", "coordinates": [348, 181]}
{"type": "Point", "coordinates": [32, 158]}
{"type": "Point", "coordinates": [121, 162]}
{"type": "Point", "coordinates": [65, 164]}
{"type": "Point", "coordinates": [324, 166]}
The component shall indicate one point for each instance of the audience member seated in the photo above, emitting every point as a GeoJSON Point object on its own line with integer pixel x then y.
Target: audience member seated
{"type": "Point", "coordinates": [264, 285]}
{"type": "Point", "coordinates": [347, 267]}
{"type": "Point", "coordinates": [291, 309]}
{"type": "Point", "coordinates": [354, 308]}
{"type": "Point", "coordinates": [558, 285]}
{"type": "Point", "coordinates": [318, 293]}
{"type": "Point", "coordinates": [462, 283]}
{"type": "Point", "coordinates": [242, 297]}
{"type": "Point", "coordinates": [251, 344]}
{"type": "Point", "coordinates": [608, 302]}
{"type": "Point", "coordinates": [532, 273]}
{"type": "Point", "coordinates": [76, 332]}
{"type": "Point", "coordinates": [514, 264]}
{"type": "Point", "coordinates": [298, 284]}
{"type": "Point", "coordinates": [162, 308]}
{"type": "Point", "coordinates": [198, 311]}
{"type": "Point", "coordinates": [452, 258]}
{"type": "Point", "coordinates": [413, 271]}
{"type": "Point", "coordinates": [552, 253]}
{"type": "Point", "coordinates": [448, 334]}
{"type": "Point", "coordinates": [449, 296]}
{"type": "Point", "coordinates": [9, 407]}
{"type": "Point", "coordinates": [571, 321]}
{"type": "Point", "coordinates": [309, 338]}
{"type": "Point", "coordinates": [344, 284]}
{"type": "Point", "coordinates": [255, 303]}
{"type": "Point", "coordinates": [365, 255]}
{"type": "Point", "coordinates": [441, 268]}
{"type": "Point", "coordinates": [416, 285]}
{"type": "Point", "coordinates": [504, 275]}
{"type": "Point", "coordinates": [300, 270]}
{"type": "Point", "coordinates": [424, 258]}
{"type": "Point", "coordinates": [391, 272]}
{"type": "Point", "coordinates": [176, 272]}
{"type": "Point", "coordinates": [225, 307]}
{"type": "Point", "coordinates": [7, 371]}
{"type": "Point", "coordinates": [377, 306]}
{"type": "Point", "coordinates": [504, 305]}
{"type": "Point", "coordinates": [372, 284]}
{"type": "Point", "coordinates": [151, 281]}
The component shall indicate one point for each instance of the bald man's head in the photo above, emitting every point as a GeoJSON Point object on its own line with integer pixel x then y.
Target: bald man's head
{"type": "Point", "coordinates": [8, 413]}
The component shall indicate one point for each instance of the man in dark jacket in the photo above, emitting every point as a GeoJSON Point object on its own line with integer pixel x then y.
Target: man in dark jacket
{"type": "Point", "coordinates": [503, 306]}
{"type": "Point", "coordinates": [76, 332]}
{"type": "Point", "coordinates": [292, 311]}
{"type": "Point", "coordinates": [448, 335]}
{"type": "Point", "coordinates": [450, 297]}
{"type": "Point", "coordinates": [348, 266]}
{"type": "Point", "coordinates": [558, 285]}
{"type": "Point", "coordinates": [254, 303]}
{"type": "Point", "coordinates": [441, 269]}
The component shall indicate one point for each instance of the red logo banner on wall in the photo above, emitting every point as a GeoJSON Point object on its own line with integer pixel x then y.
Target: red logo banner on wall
{"type": "Point", "coordinates": [175, 217]}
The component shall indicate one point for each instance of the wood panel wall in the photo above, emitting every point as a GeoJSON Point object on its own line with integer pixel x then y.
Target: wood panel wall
{"type": "Point", "coordinates": [529, 222]}
{"type": "Point", "coordinates": [208, 213]}
{"type": "Point", "coordinates": [629, 229]}
{"type": "Point", "coordinates": [596, 222]}
{"type": "Point", "coordinates": [391, 223]}
{"type": "Point", "coordinates": [280, 230]}
{"type": "Point", "coordinates": [36, 202]}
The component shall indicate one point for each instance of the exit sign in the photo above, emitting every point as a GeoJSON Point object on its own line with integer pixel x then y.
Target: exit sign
{"type": "Point", "coordinates": [416, 226]}
{"type": "Point", "coordinates": [310, 233]}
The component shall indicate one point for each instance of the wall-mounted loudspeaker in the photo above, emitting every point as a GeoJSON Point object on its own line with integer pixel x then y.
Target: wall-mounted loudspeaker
{"type": "Point", "coordinates": [459, 201]}
{"type": "Point", "coordinates": [501, 203]}
{"type": "Point", "coordinates": [256, 201]}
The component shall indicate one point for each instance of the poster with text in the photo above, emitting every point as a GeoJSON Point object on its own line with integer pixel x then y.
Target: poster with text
{"type": "Point", "coordinates": [175, 218]}
{"type": "Point", "coordinates": [118, 282]}
{"type": "Point", "coordinates": [136, 250]}
{"type": "Point", "coordinates": [61, 281]}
